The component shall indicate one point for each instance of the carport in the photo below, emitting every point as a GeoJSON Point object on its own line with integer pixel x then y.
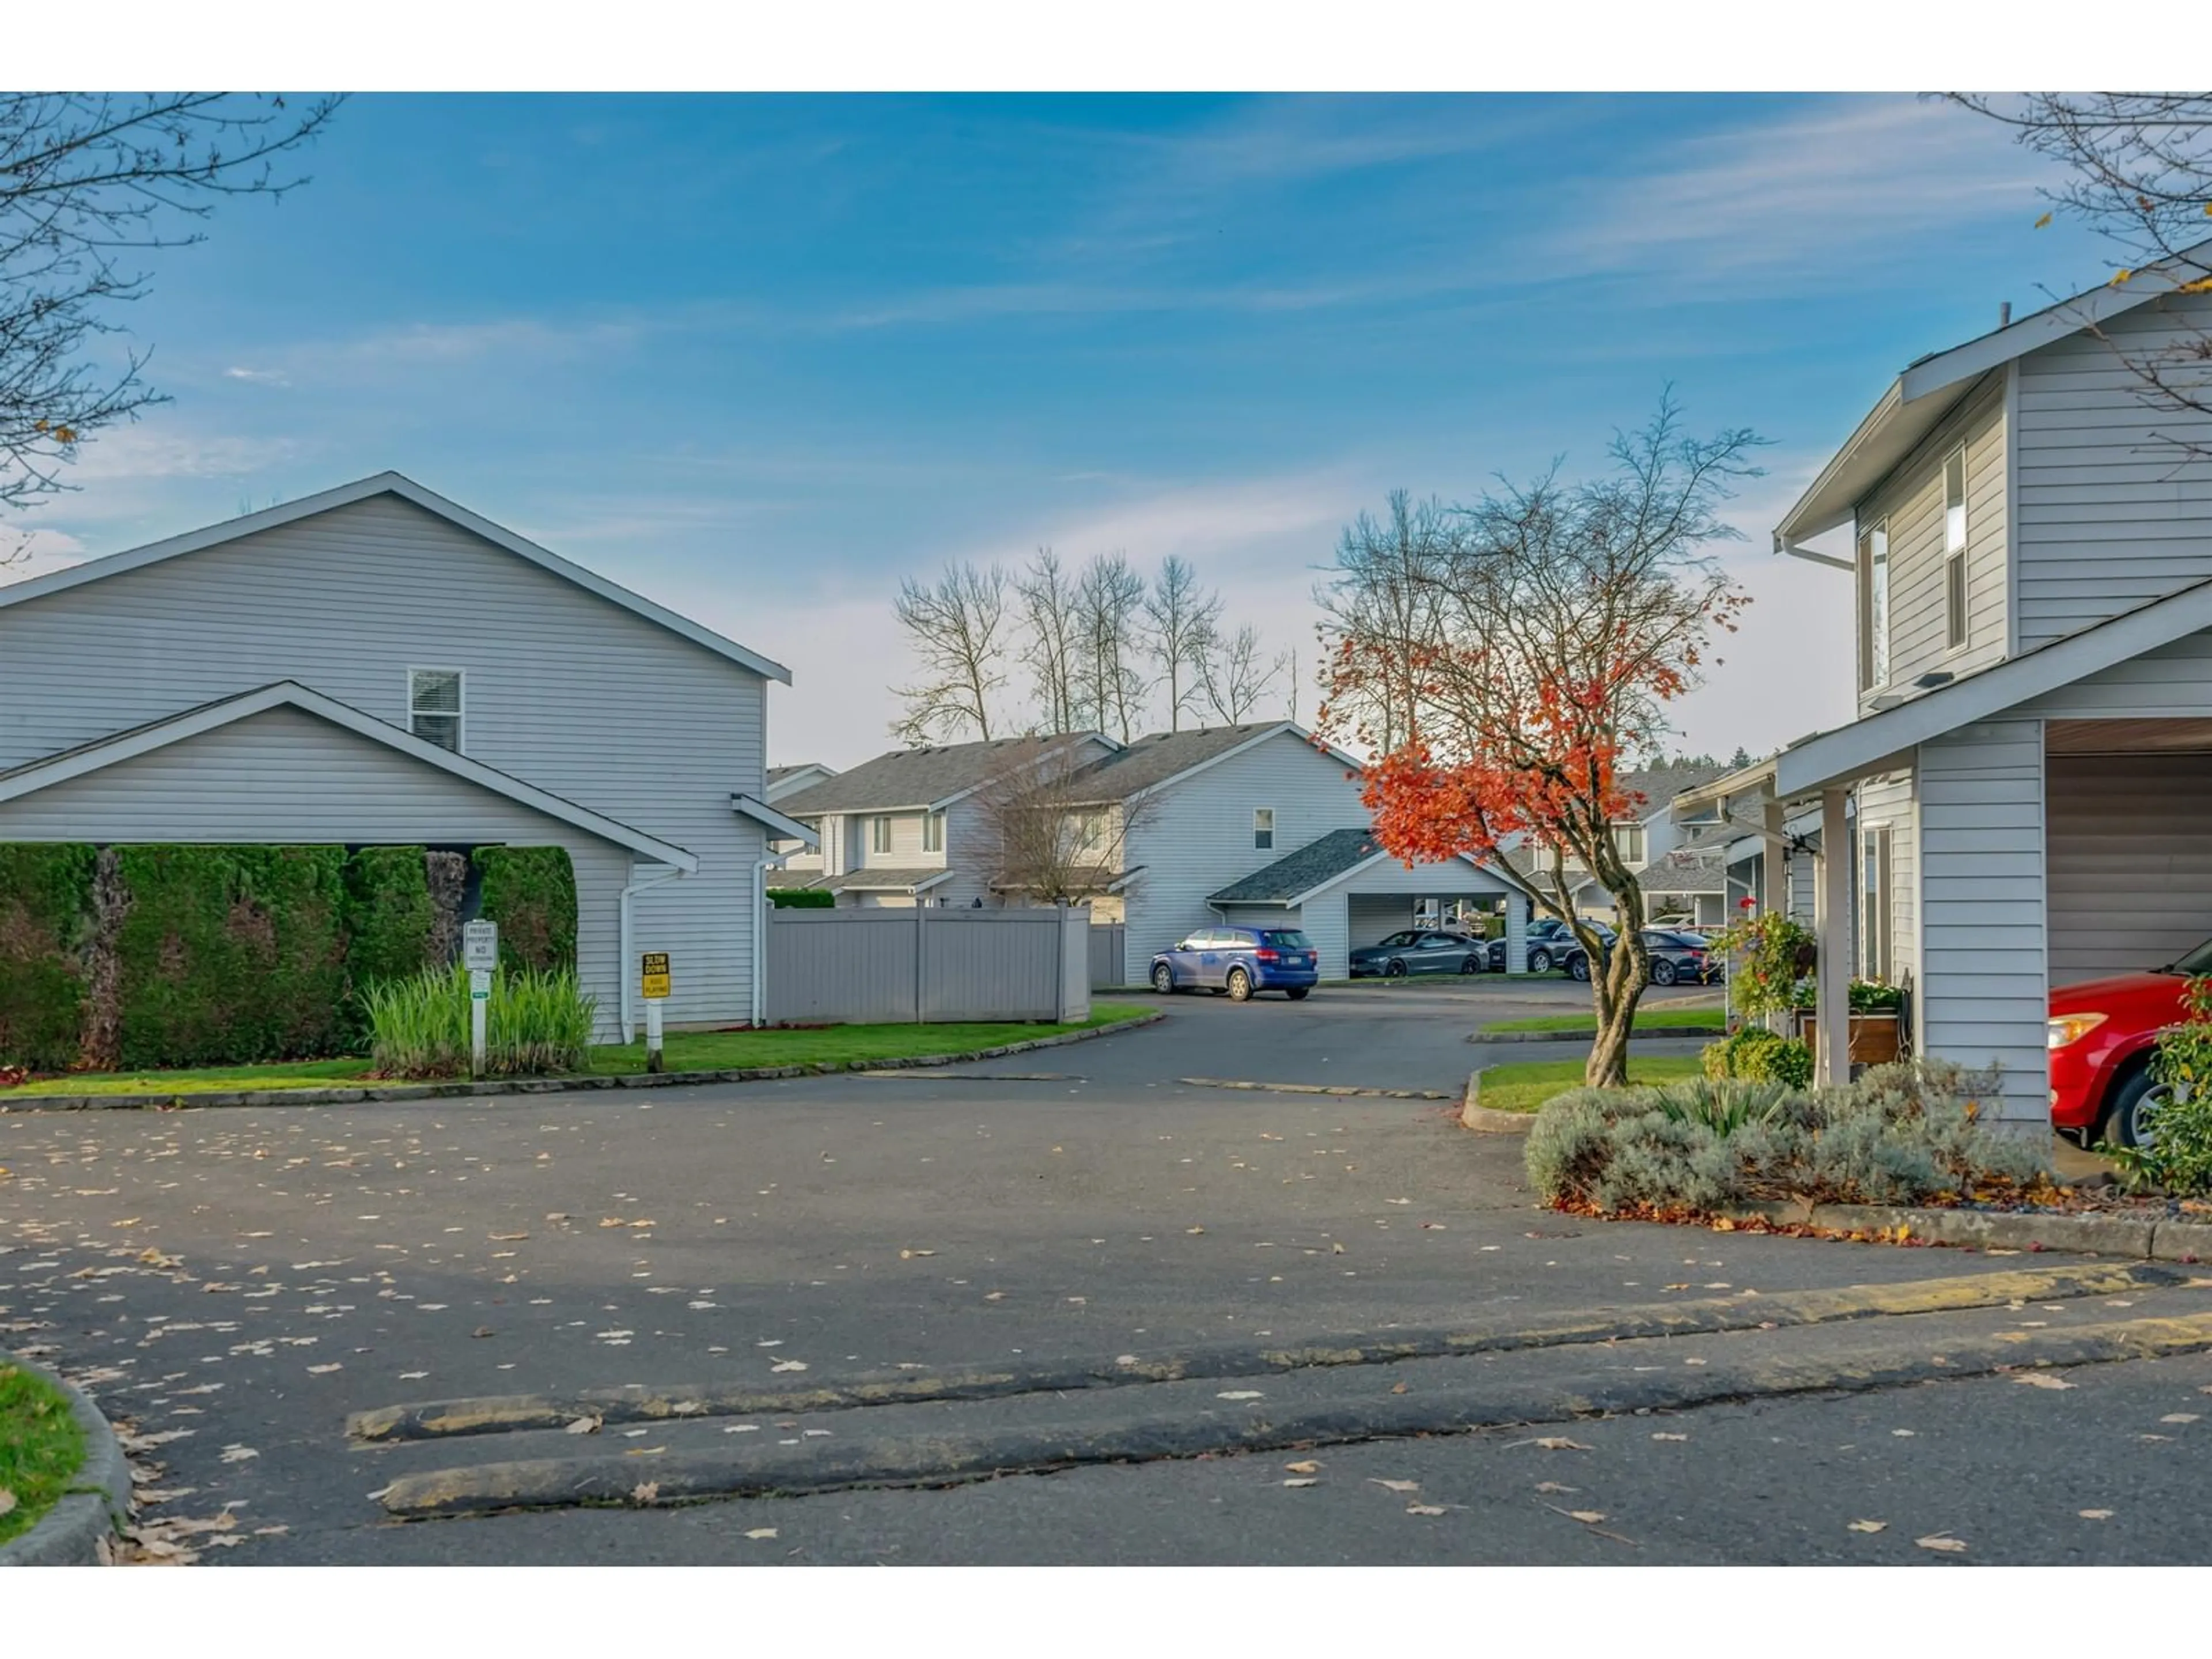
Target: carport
{"type": "Point", "coordinates": [1343, 890]}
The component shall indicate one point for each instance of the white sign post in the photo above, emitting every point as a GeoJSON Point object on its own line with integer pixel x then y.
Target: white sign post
{"type": "Point", "coordinates": [480, 956]}
{"type": "Point", "coordinates": [653, 979]}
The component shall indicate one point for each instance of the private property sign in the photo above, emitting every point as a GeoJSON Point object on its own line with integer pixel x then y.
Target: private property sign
{"type": "Point", "coordinates": [653, 972]}
{"type": "Point", "coordinates": [480, 946]}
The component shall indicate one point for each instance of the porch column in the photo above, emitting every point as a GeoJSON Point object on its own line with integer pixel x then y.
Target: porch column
{"type": "Point", "coordinates": [1773, 862]}
{"type": "Point", "coordinates": [1832, 930]}
{"type": "Point", "coordinates": [1516, 933]}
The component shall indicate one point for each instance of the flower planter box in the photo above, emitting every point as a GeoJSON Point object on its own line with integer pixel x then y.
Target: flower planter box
{"type": "Point", "coordinates": [1873, 1039]}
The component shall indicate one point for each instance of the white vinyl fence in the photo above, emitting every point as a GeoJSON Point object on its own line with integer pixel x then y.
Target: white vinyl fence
{"type": "Point", "coordinates": [1107, 940]}
{"type": "Point", "coordinates": [878, 967]}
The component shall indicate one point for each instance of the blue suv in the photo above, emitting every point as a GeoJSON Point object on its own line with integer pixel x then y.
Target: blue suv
{"type": "Point", "coordinates": [1239, 961]}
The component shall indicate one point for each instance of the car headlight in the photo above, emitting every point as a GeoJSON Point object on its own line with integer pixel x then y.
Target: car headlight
{"type": "Point", "coordinates": [2066, 1028]}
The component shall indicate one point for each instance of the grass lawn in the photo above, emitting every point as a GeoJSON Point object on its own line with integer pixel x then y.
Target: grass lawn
{"type": "Point", "coordinates": [1525, 1087]}
{"type": "Point", "coordinates": [685, 1051]}
{"type": "Point", "coordinates": [1705, 1019]}
{"type": "Point", "coordinates": [41, 1449]}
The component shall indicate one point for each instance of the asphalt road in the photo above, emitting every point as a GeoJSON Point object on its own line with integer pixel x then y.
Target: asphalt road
{"type": "Point", "coordinates": [236, 1281]}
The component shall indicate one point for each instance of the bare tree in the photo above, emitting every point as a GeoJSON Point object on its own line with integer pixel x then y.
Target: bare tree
{"type": "Point", "coordinates": [2139, 167]}
{"type": "Point", "coordinates": [1110, 599]}
{"type": "Point", "coordinates": [1059, 835]}
{"type": "Point", "coordinates": [1233, 675]}
{"type": "Point", "coordinates": [88, 179]}
{"type": "Point", "coordinates": [1048, 649]}
{"type": "Point", "coordinates": [953, 627]}
{"type": "Point", "coordinates": [1181, 617]}
{"type": "Point", "coordinates": [1386, 586]}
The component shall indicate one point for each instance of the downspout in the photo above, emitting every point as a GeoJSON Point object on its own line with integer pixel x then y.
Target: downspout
{"type": "Point", "coordinates": [667, 872]}
{"type": "Point", "coordinates": [761, 867]}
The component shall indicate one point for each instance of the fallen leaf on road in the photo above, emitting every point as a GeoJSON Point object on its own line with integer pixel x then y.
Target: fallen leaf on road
{"type": "Point", "coordinates": [1193, 1229]}
{"type": "Point", "coordinates": [237, 1454]}
{"type": "Point", "coordinates": [909, 1256]}
{"type": "Point", "coordinates": [1398, 1388]}
{"type": "Point", "coordinates": [1424, 1509]}
{"type": "Point", "coordinates": [1869, 1525]}
{"type": "Point", "coordinates": [1240, 1394]}
{"type": "Point", "coordinates": [2179, 1417]}
{"type": "Point", "coordinates": [2042, 1380]}
{"type": "Point", "coordinates": [1943, 1543]}
{"type": "Point", "coordinates": [1336, 1249]}
{"type": "Point", "coordinates": [1307, 1467]}
{"type": "Point", "coordinates": [2094, 1514]}
{"type": "Point", "coordinates": [412, 1377]}
{"type": "Point", "coordinates": [1560, 1443]}
{"type": "Point", "coordinates": [483, 1330]}
{"type": "Point", "coordinates": [1303, 1480]}
{"type": "Point", "coordinates": [789, 1365]}
{"type": "Point", "coordinates": [645, 1491]}
{"type": "Point", "coordinates": [509, 1239]}
{"type": "Point", "coordinates": [583, 1425]}
{"type": "Point", "coordinates": [1670, 1437]}
{"type": "Point", "coordinates": [762, 1532]}
{"type": "Point", "coordinates": [1902, 1434]}
{"type": "Point", "coordinates": [1396, 1486]}
{"type": "Point", "coordinates": [1588, 1517]}
{"type": "Point", "coordinates": [1554, 1487]}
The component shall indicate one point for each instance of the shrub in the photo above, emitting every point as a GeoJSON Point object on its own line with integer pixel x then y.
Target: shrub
{"type": "Point", "coordinates": [1760, 1055]}
{"type": "Point", "coordinates": [2177, 1157]}
{"type": "Point", "coordinates": [1903, 1134]}
{"type": "Point", "coordinates": [45, 904]}
{"type": "Point", "coordinates": [802, 898]}
{"type": "Point", "coordinates": [536, 1024]}
{"type": "Point", "coordinates": [389, 915]}
{"type": "Point", "coordinates": [229, 955]}
{"type": "Point", "coordinates": [530, 892]}
{"type": "Point", "coordinates": [1767, 956]}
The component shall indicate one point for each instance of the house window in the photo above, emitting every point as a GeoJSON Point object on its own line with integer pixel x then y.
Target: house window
{"type": "Point", "coordinates": [932, 833]}
{"type": "Point", "coordinates": [1877, 904]}
{"type": "Point", "coordinates": [1090, 832]}
{"type": "Point", "coordinates": [434, 705]}
{"type": "Point", "coordinates": [879, 834]}
{"type": "Point", "coordinates": [1874, 607]}
{"type": "Point", "coordinates": [1628, 841]}
{"type": "Point", "coordinates": [1954, 549]}
{"type": "Point", "coordinates": [1263, 828]}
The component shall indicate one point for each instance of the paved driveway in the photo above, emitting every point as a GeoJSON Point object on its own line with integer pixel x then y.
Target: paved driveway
{"type": "Point", "coordinates": [236, 1281]}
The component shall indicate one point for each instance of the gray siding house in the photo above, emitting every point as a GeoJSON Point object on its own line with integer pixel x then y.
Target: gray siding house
{"type": "Point", "coordinates": [2019, 803]}
{"type": "Point", "coordinates": [376, 665]}
{"type": "Point", "coordinates": [1202, 820]}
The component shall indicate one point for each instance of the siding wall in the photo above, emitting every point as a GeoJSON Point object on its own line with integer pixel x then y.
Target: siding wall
{"type": "Point", "coordinates": [568, 691]}
{"type": "Point", "coordinates": [2111, 517]}
{"type": "Point", "coordinates": [1198, 836]}
{"type": "Point", "coordinates": [2171, 680]}
{"type": "Point", "coordinates": [1984, 995]}
{"type": "Point", "coordinates": [2130, 847]}
{"type": "Point", "coordinates": [1889, 800]}
{"type": "Point", "coordinates": [906, 852]}
{"type": "Point", "coordinates": [285, 776]}
{"type": "Point", "coordinates": [1912, 500]}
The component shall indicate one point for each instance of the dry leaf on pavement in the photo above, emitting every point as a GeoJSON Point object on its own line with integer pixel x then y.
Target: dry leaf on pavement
{"type": "Point", "coordinates": [1309, 1466]}
{"type": "Point", "coordinates": [762, 1532]}
{"type": "Point", "coordinates": [645, 1491]}
{"type": "Point", "coordinates": [1869, 1525]}
{"type": "Point", "coordinates": [1554, 1487]}
{"type": "Point", "coordinates": [1424, 1509]}
{"type": "Point", "coordinates": [1240, 1394]}
{"type": "Point", "coordinates": [1670, 1437]}
{"type": "Point", "coordinates": [2094, 1514]}
{"type": "Point", "coordinates": [1396, 1486]}
{"type": "Point", "coordinates": [237, 1454]}
{"type": "Point", "coordinates": [1560, 1443]}
{"type": "Point", "coordinates": [583, 1425]}
{"type": "Point", "coordinates": [2179, 1417]}
{"type": "Point", "coordinates": [1944, 1543]}
{"type": "Point", "coordinates": [1588, 1517]}
{"type": "Point", "coordinates": [1303, 1480]}
{"type": "Point", "coordinates": [2041, 1380]}
{"type": "Point", "coordinates": [789, 1365]}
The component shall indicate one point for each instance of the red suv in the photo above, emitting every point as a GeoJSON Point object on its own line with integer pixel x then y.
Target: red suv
{"type": "Point", "coordinates": [2100, 1035]}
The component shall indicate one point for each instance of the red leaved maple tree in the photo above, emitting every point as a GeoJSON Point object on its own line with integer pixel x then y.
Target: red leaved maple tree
{"type": "Point", "coordinates": [1504, 661]}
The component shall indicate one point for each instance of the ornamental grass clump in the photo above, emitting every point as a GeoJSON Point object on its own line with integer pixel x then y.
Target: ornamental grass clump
{"type": "Point", "coordinates": [1905, 1134]}
{"type": "Point", "coordinates": [537, 1022]}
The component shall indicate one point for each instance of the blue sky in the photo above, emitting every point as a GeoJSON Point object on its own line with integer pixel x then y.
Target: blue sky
{"type": "Point", "coordinates": [758, 357]}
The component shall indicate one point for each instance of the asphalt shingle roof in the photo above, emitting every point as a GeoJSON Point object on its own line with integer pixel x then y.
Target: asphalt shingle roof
{"type": "Point", "coordinates": [1153, 760]}
{"type": "Point", "coordinates": [1317, 862]}
{"type": "Point", "coordinates": [912, 777]}
{"type": "Point", "coordinates": [1659, 785]}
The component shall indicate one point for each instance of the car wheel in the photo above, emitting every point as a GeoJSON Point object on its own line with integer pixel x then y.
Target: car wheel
{"type": "Point", "coordinates": [1578, 969]}
{"type": "Point", "coordinates": [1240, 986]}
{"type": "Point", "coordinates": [1471, 964]}
{"type": "Point", "coordinates": [1163, 979]}
{"type": "Point", "coordinates": [1663, 972]}
{"type": "Point", "coordinates": [2139, 1093]}
{"type": "Point", "coordinates": [1539, 961]}
{"type": "Point", "coordinates": [1393, 969]}
{"type": "Point", "coordinates": [1298, 992]}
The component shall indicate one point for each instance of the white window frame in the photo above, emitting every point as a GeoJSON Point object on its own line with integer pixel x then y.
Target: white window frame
{"type": "Point", "coordinates": [1877, 902]}
{"type": "Point", "coordinates": [459, 716]}
{"type": "Point", "coordinates": [933, 832]}
{"type": "Point", "coordinates": [1955, 531]}
{"type": "Point", "coordinates": [1266, 830]}
{"type": "Point", "coordinates": [1872, 558]}
{"type": "Point", "coordinates": [1628, 841]}
{"type": "Point", "coordinates": [879, 833]}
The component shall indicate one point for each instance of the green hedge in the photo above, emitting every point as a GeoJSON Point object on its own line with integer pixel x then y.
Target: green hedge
{"type": "Point", "coordinates": [389, 915]}
{"type": "Point", "coordinates": [802, 898]}
{"type": "Point", "coordinates": [46, 906]}
{"type": "Point", "coordinates": [530, 892]}
{"type": "Point", "coordinates": [1758, 1055]}
{"type": "Point", "coordinates": [230, 954]}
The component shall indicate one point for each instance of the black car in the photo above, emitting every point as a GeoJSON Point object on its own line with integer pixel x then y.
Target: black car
{"type": "Point", "coordinates": [1418, 951]}
{"type": "Point", "coordinates": [1677, 958]}
{"type": "Point", "coordinates": [1547, 937]}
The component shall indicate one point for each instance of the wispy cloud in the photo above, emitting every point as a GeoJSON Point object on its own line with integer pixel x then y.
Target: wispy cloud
{"type": "Point", "coordinates": [258, 376]}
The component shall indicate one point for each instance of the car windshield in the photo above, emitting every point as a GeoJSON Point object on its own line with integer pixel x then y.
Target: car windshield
{"type": "Point", "coordinates": [1286, 939]}
{"type": "Point", "coordinates": [1399, 938]}
{"type": "Point", "coordinates": [2196, 963]}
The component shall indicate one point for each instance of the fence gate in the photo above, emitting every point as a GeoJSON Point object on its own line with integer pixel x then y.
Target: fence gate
{"type": "Point", "coordinates": [886, 966]}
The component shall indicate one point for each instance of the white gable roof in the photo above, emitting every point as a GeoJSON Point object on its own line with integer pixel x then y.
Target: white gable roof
{"type": "Point", "coordinates": [392, 483]}
{"type": "Point", "coordinates": [35, 775]}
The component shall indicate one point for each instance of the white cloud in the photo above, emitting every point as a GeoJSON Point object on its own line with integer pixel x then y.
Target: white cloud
{"type": "Point", "coordinates": [28, 553]}
{"type": "Point", "coordinates": [258, 376]}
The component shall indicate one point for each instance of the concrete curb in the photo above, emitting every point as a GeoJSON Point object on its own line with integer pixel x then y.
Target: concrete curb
{"type": "Point", "coordinates": [543, 1086]}
{"type": "Point", "coordinates": [1474, 1115]}
{"type": "Point", "coordinates": [74, 1532]}
{"type": "Point", "coordinates": [1579, 1035]}
{"type": "Point", "coordinates": [1336, 1089]}
{"type": "Point", "coordinates": [1711, 1315]}
{"type": "Point", "coordinates": [953, 1457]}
{"type": "Point", "coordinates": [2154, 1238]}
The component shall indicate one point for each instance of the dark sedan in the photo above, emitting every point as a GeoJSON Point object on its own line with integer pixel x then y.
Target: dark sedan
{"type": "Point", "coordinates": [1677, 958]}
{"type": "Point", "coordinates": [1418, 951]}
{"type": "Point", "coordinates": [1547, 937]}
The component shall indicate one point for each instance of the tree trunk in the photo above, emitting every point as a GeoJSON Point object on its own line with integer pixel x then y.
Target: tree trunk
{"type": "Point", "coordinates": [1613, 996]}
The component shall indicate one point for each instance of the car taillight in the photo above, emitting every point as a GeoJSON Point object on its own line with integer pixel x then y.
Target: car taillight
{"type": "Point", "coordinates": [1263, 955]}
